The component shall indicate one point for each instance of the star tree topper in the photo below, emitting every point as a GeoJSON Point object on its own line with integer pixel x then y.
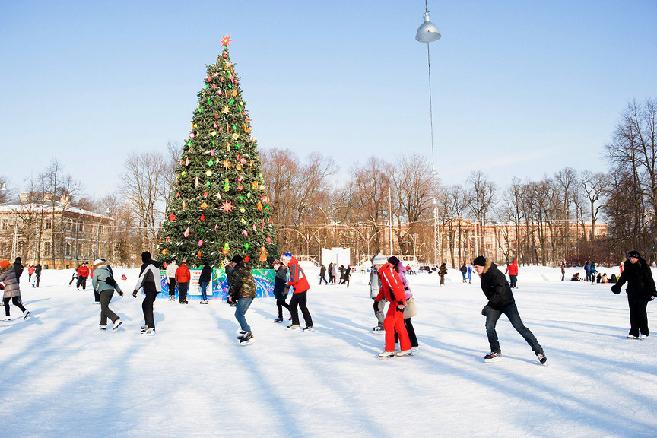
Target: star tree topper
{"type": "Point", "coordinates": [225, 41]}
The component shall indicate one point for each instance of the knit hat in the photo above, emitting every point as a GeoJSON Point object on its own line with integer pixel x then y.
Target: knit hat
{"type": "Point", "coordinates": [394, 261]}
{"type": "Point", "coordinates": [479, 261]}
{"type": "Point", "coordinates": [286, 256]}
{"type": "Point", "coordinates": [378, 260]}
{"type": "Point", "coordinates": [237, 259]}
{"type": "Point", "coordinates": [145, 257]}
{"type": "Point", "coordinates": [99, 262]}
{"type": "Point", "coordinates": [634, 253]}
{"type": "Point", "coordinates": [4, 264]}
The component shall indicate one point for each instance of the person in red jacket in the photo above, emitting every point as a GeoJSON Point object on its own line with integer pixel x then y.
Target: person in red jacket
{"type": "Point", "coordinates": [512, 270]}
{"type": "Point", "coordinates": [83, 274]}
{"type": "Point", "coordinates": [391, 289]}
{"type": "Point", "coordinates": [182, 280]}
{"type": "Point", "coordinates": [298, 282]}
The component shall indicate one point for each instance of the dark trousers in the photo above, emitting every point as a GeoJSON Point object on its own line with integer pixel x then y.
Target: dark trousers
{"type": "Point", "coordinates": [322, 278]}
{"type": "Point", "coordinates": [82, 281]}
{"type": "Point", "coordinates": [411, 332]}
{"type": "Point", "coordinates": [511, 312]}
{"type": "Point", "coordinates": [97, 296]}
{"type": "Point", "coordinates": [38, 280]}
{"type": "Point", "coordinates": [172, 287]}
{"type": "Point", "coordinates": [147, 307]}
{"type": "Point", "coordinates": [16, 301]}
{"type": "Point", "coordinates": [299, 300]}
{"type": "Point", "coordinates": [638, 317]}
{"type": "Point", "coordinates": [105, 311]}
{"type": "Point", "coordinates": [182, 292]}
{"type": "Point", "coordinates": [280, 303]}
{"type": "Point", "coordinates": [514, 280]}
{"type": "Point", "coordinates": [331, 278]}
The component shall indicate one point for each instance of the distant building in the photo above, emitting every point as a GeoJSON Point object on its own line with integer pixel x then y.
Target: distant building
{"type": "Point", "coordinates": [53, 234]}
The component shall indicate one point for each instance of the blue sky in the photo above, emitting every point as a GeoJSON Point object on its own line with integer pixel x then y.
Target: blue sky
{"type": "Point", "coordinates": [520, 88]}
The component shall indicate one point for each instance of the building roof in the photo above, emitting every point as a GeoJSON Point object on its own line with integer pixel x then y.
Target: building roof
{"type": "Point", "coordinates": [27, 208]}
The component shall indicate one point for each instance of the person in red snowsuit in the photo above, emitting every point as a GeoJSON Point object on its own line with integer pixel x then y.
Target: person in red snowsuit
{"type": "Point", "coordinates": [83, 274]}
{"type": "Point", "coordinates": [512, 270]}
{"type": "Point", "coordinates": [392, 290]}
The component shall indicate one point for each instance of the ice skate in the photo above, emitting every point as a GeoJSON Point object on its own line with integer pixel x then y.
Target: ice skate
{"type": "Point", "coordinates": [149, 332]}
{"type": "Point", "coordinates": [278, 320]}
{"type": "Point", "coordinates": [403, 353]}
{"type": "Point", "coordinates": [103, 327]}
{"type": "Point", "coordinates": [241, 335]}
{"type": "Point", "coordinates": [117, 324]}
{"type": "Point", "coordinates": [294, 326]}
{"type": "Point", "coordinates": [633, 337]}
{"type": "Point", "coordinates": [492, 357]}
{"type": "Point", "coordinates": [542, 359]}
{"type": "Point", "coordinates": [247, 339]}
{"type": "Point", "coordinates": [378, 328]}
{"type": "Point", "coordinates": [308, 329]}
{"type": "Point", "coordinates": [26, 314]}
{"type": "Point", "coordinates": [386, 354]}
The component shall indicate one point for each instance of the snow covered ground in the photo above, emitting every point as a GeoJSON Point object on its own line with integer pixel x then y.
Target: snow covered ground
{"type": "Point", "coordinates": [61, 376]}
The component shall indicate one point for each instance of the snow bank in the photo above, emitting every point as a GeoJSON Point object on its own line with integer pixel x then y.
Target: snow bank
{"type": "Point", "coordinates": [62, 377]}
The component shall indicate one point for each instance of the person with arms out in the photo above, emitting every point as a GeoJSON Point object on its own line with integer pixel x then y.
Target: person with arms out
{"type": "Point", "coordinates": [182, 279]}
{"type": "Point", "coordinates": [171, 275]}
{"type": "Point", "coordinates": [104, 283]}
{"type": "Point", "coordinates": [149, 280]}
{"type": "Point", "coordinates": [10, 280]}
{"type": "Point", "coordinates": [297, 280]}
{"type": "Point", "coordinates": [640, 290]}
{"type": "Point", "coordinates": [392, 291]}
{"type": "Point", "coordinates": [500, 301]}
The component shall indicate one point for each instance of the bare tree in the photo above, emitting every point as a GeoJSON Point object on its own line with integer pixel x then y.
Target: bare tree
{"type": "Point", "coordinates": [482, 196]}
{"type": "Point", "coordinates": [594, 185]}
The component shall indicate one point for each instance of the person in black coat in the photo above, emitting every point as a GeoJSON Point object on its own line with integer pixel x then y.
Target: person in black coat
{"type": "Point", "coordinates": [18, 268]}
{"type": "Point", "coordinates": [204, 281]}
{"type": "Point", "coordinates": [640, 290]}
{"type": "Point", "coordinates": [500, 301]}
{"type": "Point", "coordinates": [37, 271]}
{"type": "Point", "coordinates": [280, 289]}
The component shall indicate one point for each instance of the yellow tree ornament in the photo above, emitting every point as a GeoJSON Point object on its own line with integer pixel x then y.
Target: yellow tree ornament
{"type": "Point", "coordinates": [263, 254]}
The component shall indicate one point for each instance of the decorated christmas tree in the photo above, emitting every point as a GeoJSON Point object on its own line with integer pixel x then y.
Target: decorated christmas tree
{"type": "Point", "coordinates": [219, 205]}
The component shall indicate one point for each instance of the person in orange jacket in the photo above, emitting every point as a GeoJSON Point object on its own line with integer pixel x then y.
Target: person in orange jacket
{"type": "Point", "coordinates": [392, 290]}
{"type": "Point", "coordinates": [299, 283]}
{"type": "Point", "coordinates": [182, 279]}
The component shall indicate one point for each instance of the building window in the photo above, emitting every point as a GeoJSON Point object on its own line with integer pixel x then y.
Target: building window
{"type": "Point", "coordinates": [47, 249]}
{"type": "Point", "coordinates": [48, 224]}
{"type": "Point", "coordinates": [68, 249]}
{"type": "Point", "coordinates": [69, 225]}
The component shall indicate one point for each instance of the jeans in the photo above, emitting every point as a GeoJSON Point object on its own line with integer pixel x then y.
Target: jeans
{"type": "Point", "coordinates": [299, 300]}
{"type": "Point", "coordinates": [82, 281]}
{"type": "Point", "coordinates": [463, 273]}
{"type": "Point", "coordinates": [638, 316]}
{"type": "Point", "coordinates": [105, 311]}
{"type": "Point", "coordinates": [514, 280]}
{"type": "Point", "coordinates": [242, 306]}
{"type": "Point", "coordinates": [511, 312]}
{"type": "Point", "coordinates": [204, 290]}
{"type": "Point", "coordinates": [147, 307]}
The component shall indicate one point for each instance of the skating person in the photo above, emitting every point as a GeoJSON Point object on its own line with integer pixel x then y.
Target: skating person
{"type": "Point", "coordinates": [512, 270]}
{"type": "Point", "coordinates": [469, 274]}
{"type": "Point", "coordinates": [18, 268]}
{"type": "Point", "coordinates": [640, 290]}
{"type": "Point", "coordinates": [204, 280]}
{"type": "Point", "coordinates": [297, 280]}
{"type": "Point", "coordinates": [280, 289]}
{"type": "Point", "coordinates": [104, 283]}
{"type": "Point", "coordinates": [171, 275]}
{"type": "Point", "coordinates": [392, 291]}
{"type": "Point", "coordinates": [409, 310]}
{"type": "Point", "coordinates": [322, 275]}
{"type": "Point", "coordinates": [10, 278]}
{"type": "Point", "coordinates": [149, 280]}
{"type": "Point", "coordinates": [341, 269]}
{"type": "Point", "coordinates": [587, 270]}
{"type": "Point", "coordinates": [464, 271]}
{"type": "Point", "coordinates": [593, 270]}
{"type": "Point", "coordinates": [563, 271]}
{"type": "Point", "coordinates": [232, 279]}
{"type": "Point", "coordinates": [246, 291]}
{"type": "Point", "coordinates": [30, 273]}
{"type": "Point", "coordinates": [74, 277]}
{"type": "Point", "coordinates": [347, 275]}
{"type": "Point", "coordinates": [375, 286]}
{"type": "Point", "coordinates": [334, 273]}
{"type": "Point", "coordinates": [500, 301]}
{"type": "Point", "coordinates": [37, 272]}
{"type": "Point", "coordinates": [330, 273]}
{"type": "Point", "coordinates": [83, 274]}
{"type": "Point", "coordinates": [182, 279]}
{"type": "Point", "coordinates": [442, 272]}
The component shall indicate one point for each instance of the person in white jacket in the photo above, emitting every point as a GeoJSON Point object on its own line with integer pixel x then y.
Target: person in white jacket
{"type": "Point", "coordinates": [149, 280]}
{"type": "Point", "coordinates": [171, 275]}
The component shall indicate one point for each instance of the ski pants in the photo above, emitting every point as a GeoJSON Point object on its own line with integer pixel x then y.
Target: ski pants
{"type": "Point", "coordinates": [147, 307]}
{"type": "Point", "coordinates": [182, 292]}
{"type": "Point", "coordinates": [380, 315]}
{"type": "Point", "coordinates": [411, 332]}
{"type": "Point", "coordinates": [280, 303]}
{"type": "Point", "coordinates": [299, 300]}
{"type": "Point", "coordinates": [105, 311]}
{"type": "Point", "coordinates": [322, 278]}
{"type": "Point", "coordinates": [16, 301]}
{"type": "Point", "coordinates": [394, 324]}
{"type": "Point", "coordinates": [511, 311]}
{"type": "Point", "coordinates": [172, 287]}
{"type": "Point", "coordinates": [514, 280]}
{"type": "Point", "coordinates": [82, 281]}
{"type": "Point", "coordinates": [638, 316]}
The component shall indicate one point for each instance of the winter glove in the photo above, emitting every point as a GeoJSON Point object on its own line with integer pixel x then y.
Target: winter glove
{"type": "Point", "coordinates": [484, 311]}
{"type": "Point", "coordinates": [616, 289]}
{"type": "Point", "coordinates": [400, 307]}
{"type": "Point", "coordinates": [134, 294]}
